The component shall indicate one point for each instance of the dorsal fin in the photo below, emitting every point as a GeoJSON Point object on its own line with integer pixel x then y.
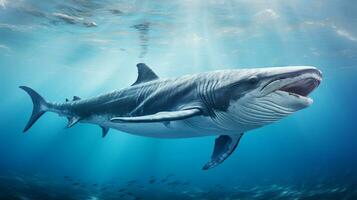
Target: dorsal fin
{"type": "Point", "coordinates": [145, 74]}
{"type": "Point", "coordinates": [75, 98]}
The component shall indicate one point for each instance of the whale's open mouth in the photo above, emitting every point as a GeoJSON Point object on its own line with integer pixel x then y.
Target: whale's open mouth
{"type": "Point", "coordinates": [303, 87]}
{"type": "Point", "coordinates": [298, 84]}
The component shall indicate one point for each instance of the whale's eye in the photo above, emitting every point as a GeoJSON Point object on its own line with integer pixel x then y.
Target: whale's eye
{"type": "Point", "coordinates": [253, 80]}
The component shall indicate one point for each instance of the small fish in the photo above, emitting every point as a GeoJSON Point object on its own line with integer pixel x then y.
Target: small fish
{"type": "Point", "coordinates": [76, 183]}
{"type": "Point", "coordinates": [90, 24]}
{"type": "Point", "coordinates": [116, 11]}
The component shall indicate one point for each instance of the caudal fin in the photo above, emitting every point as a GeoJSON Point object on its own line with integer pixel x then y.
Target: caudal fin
{"type": "Point", "coordinates": [39, 106]}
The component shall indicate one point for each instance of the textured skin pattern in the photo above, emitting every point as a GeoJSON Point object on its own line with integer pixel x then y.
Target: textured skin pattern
{"type": "Point", "coordinates": [226, 103]}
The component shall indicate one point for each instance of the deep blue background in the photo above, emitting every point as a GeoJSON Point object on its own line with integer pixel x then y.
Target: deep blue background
{"type": "Point", "coordinates": [60, 59]}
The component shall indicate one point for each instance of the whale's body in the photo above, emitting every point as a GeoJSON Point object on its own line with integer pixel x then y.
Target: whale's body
{"type": "Point", "coordinates": [226, 103]}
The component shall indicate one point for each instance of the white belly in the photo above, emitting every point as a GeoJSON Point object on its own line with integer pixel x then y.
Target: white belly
{"type": "Point", "coordinates": [193, 127]}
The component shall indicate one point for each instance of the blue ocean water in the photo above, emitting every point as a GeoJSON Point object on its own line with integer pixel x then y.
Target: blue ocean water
{"type": "Point", "coordinates": [88, 47]}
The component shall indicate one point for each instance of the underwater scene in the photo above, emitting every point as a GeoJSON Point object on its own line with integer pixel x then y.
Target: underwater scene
{"type": "Point", "coordinates": [142, 113]}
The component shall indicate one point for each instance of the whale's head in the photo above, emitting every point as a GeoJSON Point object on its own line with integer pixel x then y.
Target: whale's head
{"type": "Point", "coordinates": [256, 97]}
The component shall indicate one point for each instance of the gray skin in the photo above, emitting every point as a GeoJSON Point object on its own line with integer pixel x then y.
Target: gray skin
{"type": "Point", "coordinates": [226, 103]}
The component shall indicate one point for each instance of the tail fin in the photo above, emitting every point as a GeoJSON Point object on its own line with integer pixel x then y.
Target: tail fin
{"type": "Point", "coordinates": [39, 106]}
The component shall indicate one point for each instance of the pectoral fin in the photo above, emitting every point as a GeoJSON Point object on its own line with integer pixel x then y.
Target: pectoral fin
{"type": "Point", "coordinates": [72, 121]}
{"type": "Point", "coordinates": [223, 148]}
{"type": "Point", "coordinates": [160, 116]}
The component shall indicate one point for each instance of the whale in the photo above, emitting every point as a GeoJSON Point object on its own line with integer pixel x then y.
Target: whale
{"type": "Point", "coordinates": [222, 103]}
